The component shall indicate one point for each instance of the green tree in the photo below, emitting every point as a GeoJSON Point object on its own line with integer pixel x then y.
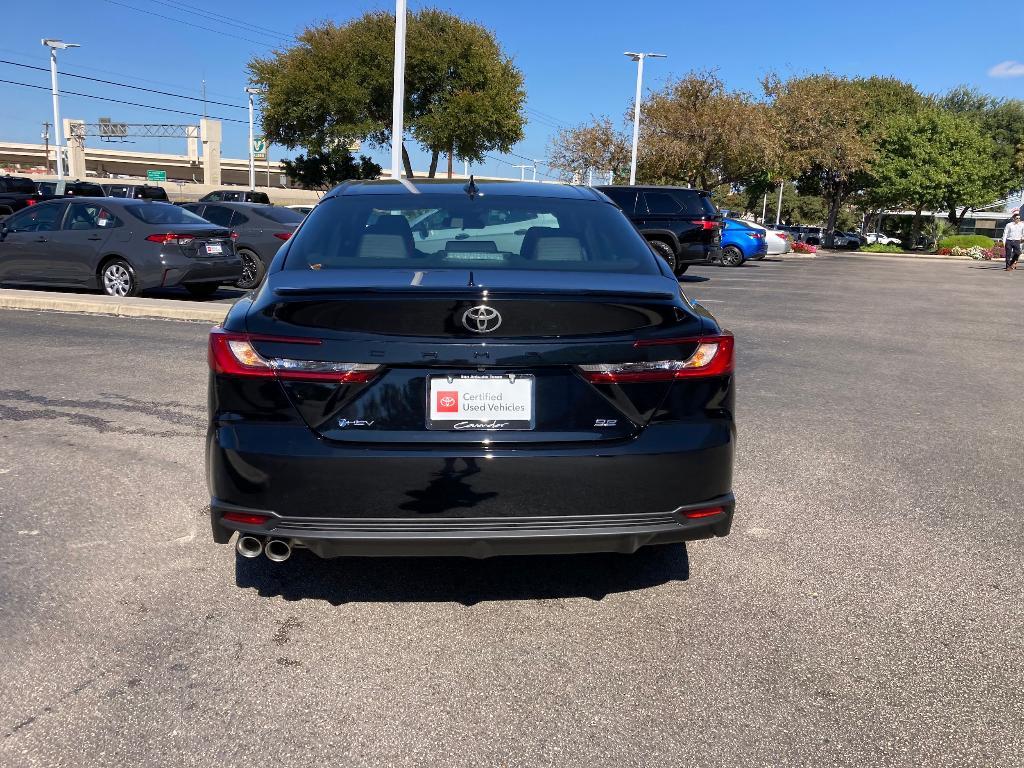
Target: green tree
{"type": "Point", "coordinates": [327, 168]}
{"type": "Point", "coordinates": [463, 95]}
{"type": "Point", "coordinates": [697, 132]}
{"type": "Point", "coordinates": [832, 127]}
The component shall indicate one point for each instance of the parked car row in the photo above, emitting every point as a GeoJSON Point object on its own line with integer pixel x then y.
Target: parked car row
{"type": "Point", "coordinates": [129, 242]}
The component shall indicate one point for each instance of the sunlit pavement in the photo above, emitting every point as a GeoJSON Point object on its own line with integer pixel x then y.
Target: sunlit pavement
{"type": "Point", "coordinates": [866, 611]}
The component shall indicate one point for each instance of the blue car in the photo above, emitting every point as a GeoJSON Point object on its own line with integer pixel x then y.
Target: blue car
{"type": "Point", "coordinates": [741, 241]}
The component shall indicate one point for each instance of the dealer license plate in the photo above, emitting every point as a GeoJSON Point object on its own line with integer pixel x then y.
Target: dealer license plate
{"type": "Point", "coordinates": [480, 402]}
{"type": "Point", "coordinates": [212, 248]}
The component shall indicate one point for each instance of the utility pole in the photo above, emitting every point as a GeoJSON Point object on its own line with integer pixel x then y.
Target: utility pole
{"type": "Point", "coordinates": [778, 208]}
{"type": "Point", "coordinates": [639, 59]}
{"type": "Point", "coordinates": [398, 101]}
{"type": "Point", "coordinates": [54, 46]}
{"type": "Point", "coordinates": [45, 136]}
{"type": "Point", "coordinates": [252, 150]}
{"type": "Point", "coordinates": [522, 171]}
{"type": "Point", "coordinates": [764, 208]}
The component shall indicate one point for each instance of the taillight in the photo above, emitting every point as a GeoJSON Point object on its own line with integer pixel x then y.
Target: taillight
{"type": "Point", "coordinates": [171, 238]}
{"type": "Point", "coordinates": [695, 514]}
{"type": "Point", "coordinates": [31, 201]}
{"type": "Point", "coordinates": [245, 519]}
{"type": "Point", "coordinates": [755, 235]}
{"type": "Point", "coordinates": [282, 235]}
{"type": "Point", "coordinates": [233, 354]}
{"type": "Point", "coordinates": [705, 224]}
{"type": "Point", "coordinates": [712, 357]}
{"type": "Point", "coordinates": [234, 235]}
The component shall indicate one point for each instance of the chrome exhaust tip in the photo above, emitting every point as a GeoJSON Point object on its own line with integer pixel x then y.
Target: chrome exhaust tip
{"type": "Point", "coordinates": [249, 546]}
{"type": "Point", "coordinates": [278, 550]}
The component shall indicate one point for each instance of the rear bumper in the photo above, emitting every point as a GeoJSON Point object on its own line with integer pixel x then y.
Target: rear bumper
{"type": "Point", "coordinates": [358, 500]}
{"type": "Point", "coordinates": [222, 270]}
{"type": "Point", "coordinates": [484, 537]}
{"type": "Point", "coordinates": [698, 253]}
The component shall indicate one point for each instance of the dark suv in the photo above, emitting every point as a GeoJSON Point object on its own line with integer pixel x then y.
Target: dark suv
{"type": "Point", "coordinates": [236, 196]}
{"type": "Point", "coordinates": [57, 189]}
{"type": "Point", "coordinates": [682, 225]}
{"type": "Point", "coordinates": [16, 192]}
{"type": "Point", "coordinates": [136, 191]}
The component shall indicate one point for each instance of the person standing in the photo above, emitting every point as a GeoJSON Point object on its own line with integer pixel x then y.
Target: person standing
{"type": "Point", "coordinates": [1013, 234]}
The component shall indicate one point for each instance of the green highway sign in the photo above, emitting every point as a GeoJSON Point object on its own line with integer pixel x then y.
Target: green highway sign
{"type": "Point", "coordinates": [156, 175]}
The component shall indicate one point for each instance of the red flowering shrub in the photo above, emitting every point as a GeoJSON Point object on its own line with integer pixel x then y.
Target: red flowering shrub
{"type": "Point", "coordinates": [799, 247]}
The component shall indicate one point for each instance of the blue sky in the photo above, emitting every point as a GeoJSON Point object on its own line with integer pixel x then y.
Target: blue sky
{"type": "Point", "coordinates": [570, 52]}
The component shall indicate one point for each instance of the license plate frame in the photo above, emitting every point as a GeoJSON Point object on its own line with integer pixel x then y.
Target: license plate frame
{"type": "Point", "coordinates": [521, 388]}
{"type": "Point", "coordinates": [214, 249]}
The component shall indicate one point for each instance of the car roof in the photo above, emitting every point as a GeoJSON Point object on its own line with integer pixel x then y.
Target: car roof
{"type": "Point", "coordinates": [231, 203]}
{"type": "Point", "coordinates": [458, 187]}
{"type": "Point", "coordinates": [653, 187]}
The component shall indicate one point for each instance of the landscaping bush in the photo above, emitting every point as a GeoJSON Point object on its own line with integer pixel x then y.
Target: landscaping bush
{"type": "Point", "coordinates": [799, 247]}
{"type": "Point", "coordinates": [880, 248]}
{"type": "Point", "coordinates": [966, 241]}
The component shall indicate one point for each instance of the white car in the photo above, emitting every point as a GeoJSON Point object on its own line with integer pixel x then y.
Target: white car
{"type": "Point", "coordinates": [778, 241]}
{"type": "Point", "coordinates": [884, 239]}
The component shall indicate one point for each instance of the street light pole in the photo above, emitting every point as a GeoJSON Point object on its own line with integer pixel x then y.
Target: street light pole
{"type": "Point", "coordinates": [778, 208]}
{"type": "Point", "coordinates": [398, 100]}
{"type": "Point", "coordinates": [639, 59]}
{"type": "Point", "coordinates": [252, 152]}
{"type": "Point", "coordinates": [54, 46]}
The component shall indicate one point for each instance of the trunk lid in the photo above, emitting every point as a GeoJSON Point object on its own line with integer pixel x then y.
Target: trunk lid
{"type": "Point", "coordinates": [414, 325]}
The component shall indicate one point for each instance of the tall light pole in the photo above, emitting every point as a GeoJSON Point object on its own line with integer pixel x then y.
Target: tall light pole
{"type": "Point", "coordinates": [778, 208]}
{"type": "Point", "coordinates": [639, 59]}
{"type": "Point", "coordinates": [252, 151]}
{"type": "Point", "coordinates": [58, 142]}
{"type": "Point", "coordinates": [398, 100]}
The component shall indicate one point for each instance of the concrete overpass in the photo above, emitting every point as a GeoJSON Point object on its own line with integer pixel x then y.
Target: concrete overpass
{"type": "Point", "coordinates": [189, 176]}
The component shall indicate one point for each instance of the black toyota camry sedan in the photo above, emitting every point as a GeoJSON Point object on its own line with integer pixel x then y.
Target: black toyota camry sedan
{"type": "Point", "coordinates": [442, 368]}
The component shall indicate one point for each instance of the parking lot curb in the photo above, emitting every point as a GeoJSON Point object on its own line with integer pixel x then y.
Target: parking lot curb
{"type": "Point", "coordinates": [164, 309]}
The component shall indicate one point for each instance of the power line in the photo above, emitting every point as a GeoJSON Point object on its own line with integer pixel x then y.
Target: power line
{"type": "Point", "coordinates": [125, 85]}
{"type": "Point", "coordinates": [220, 17]}
{"type": "Point", "coordinates": [262, 43]}
{"type": "Point", "coordinates": [127, 103]}
{"type": "Point", "coordinates": [34, 57]}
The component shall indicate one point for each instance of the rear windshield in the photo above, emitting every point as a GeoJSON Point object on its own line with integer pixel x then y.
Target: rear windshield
{"type": "Point", "coordinates": [150, 193]}
{"type": "Point", "coordinates": [456, 232]}
{"type": "Point", "coordinates": [19, 186]}
{"type": "Point", "coordinates": [164, 213]}
{"type": "Point", "coordinates": [83, 189]}
{"type": "Point", "coordinates": [279, 215]}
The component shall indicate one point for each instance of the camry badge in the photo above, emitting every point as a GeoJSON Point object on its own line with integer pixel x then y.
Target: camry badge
{"type": "Point", "coordinates": [481, 319]}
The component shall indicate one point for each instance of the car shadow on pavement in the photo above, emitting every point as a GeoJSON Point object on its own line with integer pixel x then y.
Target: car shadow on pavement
{"type": "Point", "coordinates": [693, 279]}
{"type": "Point", "coordinates": [433, 579]}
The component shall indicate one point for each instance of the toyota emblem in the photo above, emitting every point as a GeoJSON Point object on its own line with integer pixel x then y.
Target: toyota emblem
{"type": "Point", "coordinates": [481, 319]}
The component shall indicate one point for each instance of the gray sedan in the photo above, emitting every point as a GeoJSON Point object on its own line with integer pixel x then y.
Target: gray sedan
{"type": "Point", "coordinates": [261, 230]}
{"type": "Point", "coordinates": [119, 246]}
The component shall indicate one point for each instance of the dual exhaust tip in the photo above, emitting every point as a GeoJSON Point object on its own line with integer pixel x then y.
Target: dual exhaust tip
{"type": "Point", "coordinates": [250, 546]}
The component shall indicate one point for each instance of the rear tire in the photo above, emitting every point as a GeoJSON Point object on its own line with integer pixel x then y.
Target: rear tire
{"type": "Point", "coordinates": [732, 256]}
{"type": "Point", "coordinates": [201, 290]}
{"type": "Point", "coordinates": [666, 252]}
{"type": "Point", "coordinates": [253, 269]}
{"type": "Point", "coordinates": [682, 270]}
{"type": "Point", "coordinates": [117, 279]}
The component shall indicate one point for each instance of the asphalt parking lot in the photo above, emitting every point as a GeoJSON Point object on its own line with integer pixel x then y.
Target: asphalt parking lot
{"type": "Point", "coordinates": [866, 611]}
